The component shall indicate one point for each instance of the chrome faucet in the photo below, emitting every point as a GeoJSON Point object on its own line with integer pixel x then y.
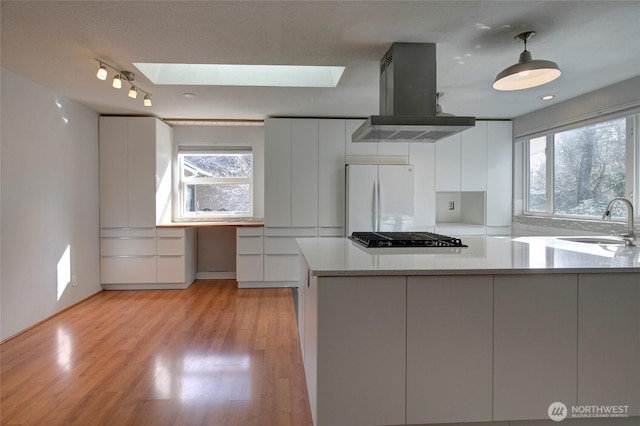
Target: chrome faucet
{"type": "Point", "coordinates": [630, 237]}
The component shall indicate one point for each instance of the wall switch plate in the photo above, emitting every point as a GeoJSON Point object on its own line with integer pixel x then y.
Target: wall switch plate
{"type": "Point", "coordinates": [74, 280]}
{"type": "Point", "coordinates": [451, 205]}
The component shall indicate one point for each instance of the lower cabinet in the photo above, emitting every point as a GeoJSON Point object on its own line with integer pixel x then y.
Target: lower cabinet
{"type": "Point", "coordinates": [534, 344]}
{"type": "Point", "coordinates": [361, 356]}
{"type": "Point", "coordinates": [145, 258]}
{"type": "Point", "coordinates": [449, 350]}
{"type": "Point", "coordinates": [609, 340]}
{"type": "Point", "coordinates": [249, 255]}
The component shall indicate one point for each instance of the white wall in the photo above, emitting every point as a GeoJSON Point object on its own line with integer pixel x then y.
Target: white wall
{"type": "Point", "coordinates": [49, 191]}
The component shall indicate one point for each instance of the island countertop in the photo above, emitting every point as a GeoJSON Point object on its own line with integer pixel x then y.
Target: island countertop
{"type": "Point", "coordinates": [484, 255]}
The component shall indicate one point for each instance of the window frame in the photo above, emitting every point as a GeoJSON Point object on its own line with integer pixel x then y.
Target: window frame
{"type": "Point", "coordinates": [183, 182]}
{"type": "Point", "coordinates": [632, 175]}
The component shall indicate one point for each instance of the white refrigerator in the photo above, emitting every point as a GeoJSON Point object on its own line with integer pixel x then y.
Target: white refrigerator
{"type": "Point", "coordinates": [379, 197]}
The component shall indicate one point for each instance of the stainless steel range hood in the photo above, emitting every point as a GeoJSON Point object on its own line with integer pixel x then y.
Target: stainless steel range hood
{"type": "Point", "coordinates": [408, 99]}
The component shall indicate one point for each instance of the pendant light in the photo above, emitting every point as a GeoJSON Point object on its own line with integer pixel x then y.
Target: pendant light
{"type": "Point", "coordinates": [102, 72]}
{"type": "Point", "coordinates": [117, 81]}
{"type": "Point", "coordinates": [527, 72]}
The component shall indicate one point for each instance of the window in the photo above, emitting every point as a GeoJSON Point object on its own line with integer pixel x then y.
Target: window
{"type": "Point", "coordinates": [216, 184]}
{"type": "Point", "coordinates": [578, 171]}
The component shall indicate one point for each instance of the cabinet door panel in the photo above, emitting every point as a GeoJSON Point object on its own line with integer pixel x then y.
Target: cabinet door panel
{"type": "Point", "coordinates": [473, 158]}
{"type": "Point", "coordinates": [249, 267]}
{"type": "Point", "coordinates": [277, 172]}
{"type": "Point", "coordinates": [499, 171]}
{"type": "Point", "coordinates": [448, 164]}
{"type": "Point", "coordinates": [171, 269]}
{"type": "Point", "coordinates": [535, 344]}
{"type": "Point", "coordinates": [360, 362]}
{"type": "Point", "coordinates": [141, 165]}
{"type": "Point", "coordinates": [449, 349]}
{"type": "Point", "coordinates": [609, 340]}
{"type": "Point", "coordinates": [281, 267]}
{"type": "Point", "coordinates": [304, 172]}
{"type": "Point", "coordinates": [127, 269]}
{"type": "Point", "coordinates": [170, 245]}
{"type": "Point", "coordinates": [331, 161]}
{"type": "Point", "coordinates": [113, 173]}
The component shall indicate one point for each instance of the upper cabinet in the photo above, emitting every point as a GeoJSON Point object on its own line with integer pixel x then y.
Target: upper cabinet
{"type": "Point", "coordinates": [331, 173]}
{"type": "Point", "coordinates": [135, 176]}
{"type": "Point", "coordinates": [291, 172]}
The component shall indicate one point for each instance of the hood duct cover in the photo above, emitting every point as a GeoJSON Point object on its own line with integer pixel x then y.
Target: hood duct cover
{"type": "Point", "coordinates": [408, 99]}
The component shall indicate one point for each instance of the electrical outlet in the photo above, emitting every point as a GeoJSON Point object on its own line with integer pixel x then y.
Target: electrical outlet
{"type": "Point", "coordinates": [74, 280]}
{"type": "Point", "coordinates": [451, 205]}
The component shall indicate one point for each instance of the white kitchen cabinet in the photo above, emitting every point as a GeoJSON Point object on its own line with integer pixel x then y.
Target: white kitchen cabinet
{"type": "Point", "coordinates": [331, 176]}
{"type": "Point", "coordinates": [357, 148]}
{"type": "Point", "coordinates": [356, 368]}
{"type": "Point", "coordinates": [127, 256]}
{"type": "Point", "coordinates": [535, 344]}
{"type": "Point", "coordinates": [291, 172]}
{"type": "Point", "coordinates": [499, 176]}
{"type": "Point", "coordinates": [449, 350]}
{"type": "Point", "coordinates": [304, 172]}
{"type": "Point", "coordinates": [609, 340]}
{"type": "Point", "coordinates": [473, 158]}
{"type": "Point", "coordinates": [281, 264]}
{"type": "Point", "coordinates": [176, 251]}
{"type": "Point", "coordinates": [422, 156]}
{"type": "Point", "coordinates": [134, 171]}
{"type": "Point", "coordinates": [277, 172]}
{"type": "Point", "coordinates": [447, 163]}
{"type": "Point", "coordinates": [249, 255]}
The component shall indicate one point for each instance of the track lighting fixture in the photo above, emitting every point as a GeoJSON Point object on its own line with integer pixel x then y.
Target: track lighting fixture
{"type": "Point", "coordinates": [527, 72]}
{"type": "Point", "coordinates": [117, 81]}
{"type": "Point", "coordinates": [102, 72]}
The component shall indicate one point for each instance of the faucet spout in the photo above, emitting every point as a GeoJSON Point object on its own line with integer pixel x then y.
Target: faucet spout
{"type": "Point", "coordinates": [630, 236]}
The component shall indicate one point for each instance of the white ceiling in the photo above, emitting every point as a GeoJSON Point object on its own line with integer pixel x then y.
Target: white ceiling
{"type": "Point", "coordinates": [54, 43]}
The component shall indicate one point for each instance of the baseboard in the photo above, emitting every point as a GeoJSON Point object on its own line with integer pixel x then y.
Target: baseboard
{"type": "Point", "coordinates": [51, 316]}
{"type": "Point", "coordinates": [223, 275]}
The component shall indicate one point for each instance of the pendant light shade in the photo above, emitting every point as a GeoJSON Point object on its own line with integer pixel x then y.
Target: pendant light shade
{"type": "Point", "coordinates": [527, 72]}
{"type": "Point", "coordinates": [133, 93]}
{"type": "Point", "coordinates": [102, 72]}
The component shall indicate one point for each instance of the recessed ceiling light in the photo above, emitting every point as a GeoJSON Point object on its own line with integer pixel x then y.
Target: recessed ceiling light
{"type": "Point", "coordinates": [547, 97]}
{"type": "Point", "coordinates": [242, 75]}
{"type": "Point", "coordinates": [189, 95]}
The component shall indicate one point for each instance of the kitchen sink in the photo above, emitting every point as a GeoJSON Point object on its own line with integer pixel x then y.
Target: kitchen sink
{"type": "Point", "coordinates": [594, 240]}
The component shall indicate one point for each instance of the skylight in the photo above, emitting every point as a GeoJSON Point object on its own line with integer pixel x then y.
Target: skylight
{"type": "Point", "coordinates": [242, 75]}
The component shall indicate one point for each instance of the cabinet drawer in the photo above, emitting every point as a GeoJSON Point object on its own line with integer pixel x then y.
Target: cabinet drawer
{"type": "Point", "coordinates": [249, 267]}
{"type": "Point", "coordinates": [280, 245]}
{"type": "Point", "coordinates": [128, 246]}
{"type": "Point", "coordinates": [281, 267]}
{"type": "Point", "coordinates": [290, 232]}
{"type": "Point", "coordinates": [170, 245]}
{"type": "Point", "coordinates": [249, 231]}
{"type": "Point", "coordinates": [127, 269]}
{"type": "Point", "coordinates": [170, 232]}
{"type": "Point", "coordinates": [171, 269]}
{"type": "Point", "coordinates": [248, 245]}
{"type": "Point", "coordinates": [127, 232]}
{"type": "Point", "coordinates": [331, 231]}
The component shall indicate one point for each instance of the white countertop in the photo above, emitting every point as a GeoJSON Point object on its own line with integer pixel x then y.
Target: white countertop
{"type": "Point", "coordinates": [485, 255]}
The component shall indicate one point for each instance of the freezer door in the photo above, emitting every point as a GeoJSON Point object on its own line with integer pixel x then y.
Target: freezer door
{"type": "Point", "coordinates": [361, 190]}
{"type": "Point", "coordinates": [396, 189]}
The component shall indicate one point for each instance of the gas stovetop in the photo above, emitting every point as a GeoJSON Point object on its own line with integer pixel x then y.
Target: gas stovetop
{"type": "Point", "coordinates": [405, 239]}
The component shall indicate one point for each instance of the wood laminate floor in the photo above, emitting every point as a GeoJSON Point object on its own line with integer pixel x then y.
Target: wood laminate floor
{"type": "Point", "coordinates": [209, 355]}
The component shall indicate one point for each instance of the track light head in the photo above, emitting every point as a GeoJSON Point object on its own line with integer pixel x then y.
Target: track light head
{"type": "Point", "coordinates": [133, 93]}
{"type": "Point", "coordinates": [147, 101]}
{"type": "Point", "coordinates": [117, 81]}
{"type": "Point", "coordinates": [102, 72]}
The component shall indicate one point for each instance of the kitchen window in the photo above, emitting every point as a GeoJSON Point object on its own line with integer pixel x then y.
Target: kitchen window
{"type": "Point", "coordinates": [216, 184]}
{"type": "Point", "coordinates": [576, 172]}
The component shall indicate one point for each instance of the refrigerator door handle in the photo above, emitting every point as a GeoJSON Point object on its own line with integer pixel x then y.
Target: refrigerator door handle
{"type": "Point", "coordinates": [374, 216]}
{"type": "Point", "coordinates": [379, 206]}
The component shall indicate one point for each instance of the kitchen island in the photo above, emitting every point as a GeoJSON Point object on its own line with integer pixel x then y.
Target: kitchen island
{"type": "Point", "coordinates": [495, 331]}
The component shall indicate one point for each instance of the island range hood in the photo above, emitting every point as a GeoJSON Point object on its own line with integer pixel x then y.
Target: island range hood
{"type": "Point", "coordinates": [408, 99]}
